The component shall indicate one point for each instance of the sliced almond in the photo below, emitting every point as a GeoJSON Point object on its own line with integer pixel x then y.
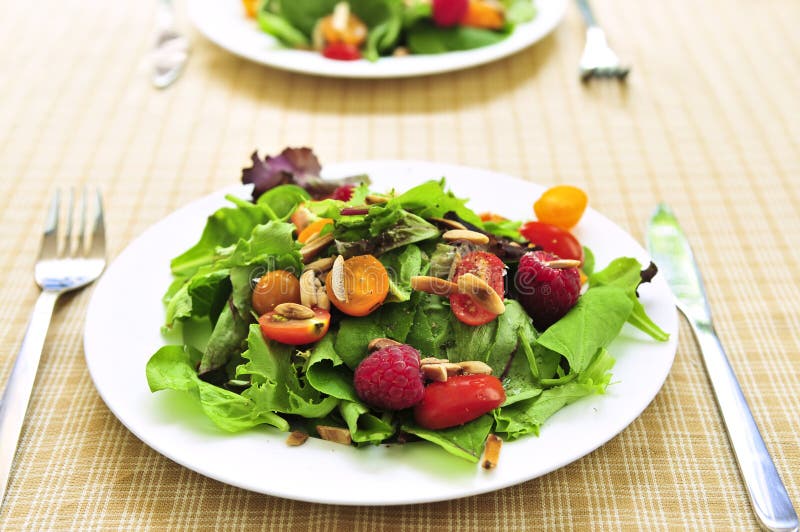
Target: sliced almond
{"type": "Point", "coordinates": [475, 367]}
{"type": "Point", "coordinates": [432, 360]}
{"type": "Point", "coordinates": [308, 289]}
{"type": "Point", "coordinates": [334, 434]}
{"type": "Point", "coordinates": [322, 299]}
{"type": "Point", "coordinates": [491, 451]}
{"type": "Point", "coordinates": [337, 279]}
{"type": "Point", "coordinates": [380, 343]}
{"type": "Point", "coordinates": [293, 311]}
{"type": "Point", "coordinates": [320, 265]}
{"type": "Point", "coordinates": [481, 293]}
{"type": "Point", "coordinates": [452, 224]}
{"type": "Point", "coordinates": [373, 199]}
{"type": "Point", "coordinates": [296, 438]}
{"type": "Point", "coordinates": [452, 368]}
{"type": "Point", "coordinates": [312, 249]}
{"type": "Point", "coordinates": [466, 235]}
{"type": "Point", "coordinates": [433, 285]}
{"type": "Point", "coordinates": [434, 372]}
{"type": "Point", "coordinates": [561, 264]}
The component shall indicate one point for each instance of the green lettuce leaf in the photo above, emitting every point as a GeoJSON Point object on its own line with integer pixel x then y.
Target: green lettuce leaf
{"type": "Point", "coordinates": [465, 441]}
{"type": "Point", "coordinates": [426, 38]}
{"type": "Point", "coordinates": [172, 368]}
{"type": "Point", "coordinates": [401, 264]}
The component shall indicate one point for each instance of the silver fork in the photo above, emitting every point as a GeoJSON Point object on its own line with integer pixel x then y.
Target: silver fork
{"type": "Point", "coordinates": [598, 59]}
{"type": "Point", "coordinates": [79, 260]}
{"type": "Point", "coordinates": [171, 50]}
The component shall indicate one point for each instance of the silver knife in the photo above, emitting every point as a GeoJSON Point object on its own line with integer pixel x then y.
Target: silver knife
{"type": "Point", "coordinates": [171, 50]}
{"type": "Point", "coordinates": [670, 251]}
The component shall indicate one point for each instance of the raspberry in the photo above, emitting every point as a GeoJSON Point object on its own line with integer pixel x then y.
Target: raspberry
{"type": "Point", "coordinates": [449, 12]}
{"type": "Point", "coordinates": [390, 378]}
{"type": "Point", "coordinates": [546, 293]}
{"type": "Point", "coordinates": [343, 193]}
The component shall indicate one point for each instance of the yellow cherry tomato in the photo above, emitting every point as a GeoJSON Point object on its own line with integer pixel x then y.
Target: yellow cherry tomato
{"type": "Point", "coordinates": [562, 206]}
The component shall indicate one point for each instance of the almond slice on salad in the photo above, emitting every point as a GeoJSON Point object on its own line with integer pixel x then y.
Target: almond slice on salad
{"type": "Point", "coordinates": [293, 311]}
{"type": "Point", "coordinates": [296, 438]}
{"type": "Point", "coordinates": [433, 285]}
{"type": "Point", "coordinates": [491, 451]}
{"type": "Point", "coordinates": [320, 265]}
{"type": "Point", "coordinates": [474, 367]}
{"type": "Point", "coordinates": [334, 434]}
{"type": "Point", "coordinates": [562, 264]}
{"type": "Point", "coordinates": [337, 279]}
{"type": "Point", "coordinates": [380, 343]}
{"type": "Point", "coordinates": [473, 237]}
{"type": "Point", "coordinates": [481, 293]}
{"type": "Point", "coordinates": [374, 199]}
{"type": "Point", "coordinates": [432, 360]}
{"type": "Point", "coordinates": [313, 248]}
{"type": "Point", "coordinates": [434, 372]}
{"type": "Point", "coordinates": [308, 289]}
{"type": "Point", "coordinates": [452, 224]}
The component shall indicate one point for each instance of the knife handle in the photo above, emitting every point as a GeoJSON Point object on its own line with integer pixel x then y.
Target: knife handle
{"type": "Point", "coordinates": [764, 486]}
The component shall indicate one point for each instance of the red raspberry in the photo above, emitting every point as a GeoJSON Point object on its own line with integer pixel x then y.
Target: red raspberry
{"type": "Point", "coordinates": [449, 12]}
{"type": "Point", "coordinates": [390, 378]}
{"type": "Point", "coordinates": [546, 293]}
{"type": "Point", "coordinates": [343, 193]}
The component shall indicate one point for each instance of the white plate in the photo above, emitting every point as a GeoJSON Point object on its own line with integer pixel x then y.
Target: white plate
{"type": "Point", "coordinates": [122, 331]}
{"type": "Point", "coordinates": [224, 23]}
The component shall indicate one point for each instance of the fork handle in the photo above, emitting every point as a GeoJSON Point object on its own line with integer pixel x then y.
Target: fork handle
{"type": "Point", "coordinates": [586, 11]}
{"type": "Point", "coordinates": [17, 393]}
{"type": "Point", "coordinates": [767, 493]}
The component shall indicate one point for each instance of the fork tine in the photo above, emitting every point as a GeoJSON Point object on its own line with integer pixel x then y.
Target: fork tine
{"type": "Point", "coordinates": [81, 240]}
{"type": "Point", "coordinates": [68, 240]}
{"type": "Point", "coordinates": [98, 247]}
{"type": "Point", "coordinates": [49, 247]}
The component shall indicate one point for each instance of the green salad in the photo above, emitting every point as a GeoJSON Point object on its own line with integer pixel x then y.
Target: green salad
{"type": "Point", "coordinates": [326, 309]}
{"type": "Point", "coordinates": [349, 30]}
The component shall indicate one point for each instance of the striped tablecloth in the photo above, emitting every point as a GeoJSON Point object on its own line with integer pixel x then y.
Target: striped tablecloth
{"type": "Point", "coordinates": [709, 121]}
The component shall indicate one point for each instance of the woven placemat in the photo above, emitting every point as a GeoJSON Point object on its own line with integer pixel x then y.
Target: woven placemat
{"type": "Point", "coordinates": [707, 122]}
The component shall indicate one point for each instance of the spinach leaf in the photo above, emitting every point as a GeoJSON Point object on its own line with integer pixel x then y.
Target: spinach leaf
{"type": "Point", "coordinates": [364, 426]}
{"type": "Point", "coordinates": [591, 324]}
{"type": "Point", "coordinates": [431, 200]}
{"type": "Point", "coordinates": [401, 264]}
{"type": "Point", "coordinates": [425, 38]}
{"type": "Point", "coordinates": [465, 441]}
{"type": "Point", "coordinates": [326, 372]}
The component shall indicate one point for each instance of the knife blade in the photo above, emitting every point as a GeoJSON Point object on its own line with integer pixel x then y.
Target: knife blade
{"type": "Point", "coordinates": [670, 250]}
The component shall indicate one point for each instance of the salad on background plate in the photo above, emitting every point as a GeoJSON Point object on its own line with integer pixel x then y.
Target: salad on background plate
{"type": "Point", "coordinates": [365, 317]}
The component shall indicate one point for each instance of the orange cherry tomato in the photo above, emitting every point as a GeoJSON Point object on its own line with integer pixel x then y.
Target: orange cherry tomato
{"type": "Point", "coordinates": [343, 27]}
{"type": "Point", "coordinates": [274, 288]}
{"type": "Point", "coordinates": [250, 7]}
{"type": "Point", "coordinates": [366, 284]}
{"type": "Point", "coordinates": [482, 14]}
{"type": "Point", "coordinates": [553, 239]}
{"type": "Point", "coordinates": [488, 267]}
{"type": "Point", "coordinates": [562, 206]}
{"type": "Point", "coordinates": [491, 217]}
{"type": "Point", "coordinates": [295, 332]}
{"type": "Point", "coordinates": [313, 228]}
{"type": "Point", "coordinates": [458, 400]}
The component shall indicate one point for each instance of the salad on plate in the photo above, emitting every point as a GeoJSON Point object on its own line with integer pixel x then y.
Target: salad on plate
{"type": "Point", "coordinates": [324, 308]}
{"type": "Point", "coordinates": [354, 29]}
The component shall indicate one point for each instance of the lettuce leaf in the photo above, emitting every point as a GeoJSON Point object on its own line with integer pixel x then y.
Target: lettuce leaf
{"type": "Point", "coordinates": [465, 441]}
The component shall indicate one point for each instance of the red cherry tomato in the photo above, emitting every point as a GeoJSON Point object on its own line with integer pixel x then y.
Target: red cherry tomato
{"type": "Point", "coordinates": [458, 400]}
{"type": "Point", "coordinates": [553, 239]}
{"type": "Point", "coordinates": [448, 12]}
{"type": "Point", "coordinates": [489, 268]}
{"type": "Point", "coordinates": [295, 332]}
{"type": "Point", "coordinates": [341, 51]}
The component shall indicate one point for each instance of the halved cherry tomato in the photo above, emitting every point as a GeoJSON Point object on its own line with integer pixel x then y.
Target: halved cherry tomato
{"type": "Point", "coordinates": [562, 205]}
{"type": "Point", "coordinates": [274, 288]}
{"type": "Point", "coordinates": [295, 332]}
{"type": "Point", "coordinates": [313, 228]}
{"type": "Point", "coordinates": [250, 7]}
{"type": "Point", "coordinates": [457, 400]}
{"type": "Point", "coordinates": [366, 283]}
{"type": "Point", "coordinates": [553, 239]}
{"type": "Point", "coordinates": [341, 51]}
{"type": "Point", "coordinates": [489, 268]}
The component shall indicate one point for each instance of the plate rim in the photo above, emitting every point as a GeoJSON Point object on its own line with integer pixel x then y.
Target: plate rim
{"type": "Point", "coordinates": [540, 27]}
{"type": "Point", "coordinates": [341, 169]}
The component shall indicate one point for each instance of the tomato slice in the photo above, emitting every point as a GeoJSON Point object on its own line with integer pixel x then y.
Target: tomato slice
{"type": "Point", "coordinates": [457, 400]}
{"type": "Point", "coordinates": [342, 52]}
{"type": "Point", "coordinates": [489, 268]}
{"type": "Point", "coordinates": [295, 332]}
{"type": "Point", "coordinates": [553, 239]}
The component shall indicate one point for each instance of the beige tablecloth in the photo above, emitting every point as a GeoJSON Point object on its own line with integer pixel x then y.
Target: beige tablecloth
{"type": "Point", "coordinates": [709, 121]}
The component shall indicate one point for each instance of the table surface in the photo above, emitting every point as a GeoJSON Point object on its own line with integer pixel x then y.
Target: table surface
{"type": "Point", "coordinates": [708, 121]}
